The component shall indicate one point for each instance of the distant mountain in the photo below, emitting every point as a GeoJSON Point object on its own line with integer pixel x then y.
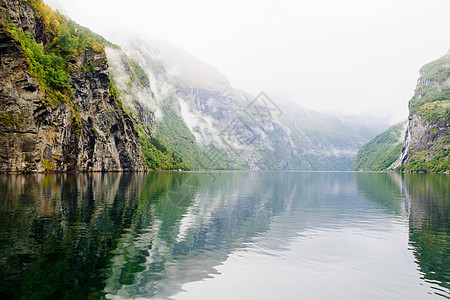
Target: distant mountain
{"type": "Point", "coordinates": [426, 146]}
{"type": "Point", "coordinates": [365, 125]}
{"type": "Point", "coordinates": [210, 124]}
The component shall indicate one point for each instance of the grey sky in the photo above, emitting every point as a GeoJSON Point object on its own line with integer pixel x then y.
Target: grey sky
{"type": "Point", "coordinates": [348, 55]}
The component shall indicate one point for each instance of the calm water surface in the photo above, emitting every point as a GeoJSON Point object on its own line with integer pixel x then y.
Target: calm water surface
{"type": "Point", "coordinates": [237, 235]}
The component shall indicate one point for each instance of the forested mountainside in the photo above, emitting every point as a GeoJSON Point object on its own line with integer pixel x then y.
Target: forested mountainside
{"type": "Point", "coordinates": [426, 145]}
{"type": "Point", "coordinates": [210, 124]}
{"type": "Point", "coordinates": [58, 109]}
{"type": "Point", "coordinates": [383, 151]}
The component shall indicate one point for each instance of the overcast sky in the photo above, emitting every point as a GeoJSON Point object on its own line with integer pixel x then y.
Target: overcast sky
{"type": "Point", "coordinates": [349, 55]}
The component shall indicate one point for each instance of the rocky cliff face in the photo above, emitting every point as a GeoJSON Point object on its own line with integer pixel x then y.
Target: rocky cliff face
{"type": "Point", "coordinates": [427, 143]}
{"type": "Point", "coordinates": [87, 132]}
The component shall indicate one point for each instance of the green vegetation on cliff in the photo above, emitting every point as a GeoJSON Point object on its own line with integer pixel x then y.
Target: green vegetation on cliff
{"type": "Point", "coordinates": [429, 150]}
{"type": "Point", "coordinates": [62, 39]}
{"type": "Point", "coordinates": [432, 95]}
{"type": "Point", "coordinates": [130, 83]}
{"type": "Point", "coordinates": [55, 54]}
{"type": "Point", "coordinates": [50, 69]}
{"type": "Point", "coordinates": [436, 160]}
{"type": "Point", "coordinates": [158, 156]}
{"type": "Point", "coordinates": [382, 151]}
{"type": "Point", "coordinates": [138, 74]}
{"type": "Point", "coordinates": [177, 136]}
{"type": "Point", "coordinates": [65, 37]}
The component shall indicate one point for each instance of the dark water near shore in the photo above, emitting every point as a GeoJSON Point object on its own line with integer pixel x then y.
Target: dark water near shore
{"type": "Point", "coordinates": [237, 235]}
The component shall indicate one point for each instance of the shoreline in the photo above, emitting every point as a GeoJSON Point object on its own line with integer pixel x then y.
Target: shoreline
{"type": "Point", "coordinates": [205, 170]}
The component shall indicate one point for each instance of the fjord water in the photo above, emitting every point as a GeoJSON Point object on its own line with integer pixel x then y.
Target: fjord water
{"type": "Point", "coordinates": [232, 235]}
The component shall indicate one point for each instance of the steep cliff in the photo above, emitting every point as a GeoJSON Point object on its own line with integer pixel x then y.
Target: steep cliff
{"type": "Point", "coordinates": [427, 140]}
{"type": "Point", "coordinates": [58, 109]}
{"type": "Point", "coordinates": [426, 143]}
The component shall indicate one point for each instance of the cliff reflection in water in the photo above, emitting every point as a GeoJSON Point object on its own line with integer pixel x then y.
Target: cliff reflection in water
{"type": "Point", "coordinates": [128, 236]}
{"type": "Point", "coordinates": [427, 202]}
{"type": "Point", "coordinates": [185, 231]}
{"type": "Point", "coordinates": [66, 236]}
{"type": "Point", "coordinates": [56, 232]}
{"type": "Point", "coordinates": [429, 227]}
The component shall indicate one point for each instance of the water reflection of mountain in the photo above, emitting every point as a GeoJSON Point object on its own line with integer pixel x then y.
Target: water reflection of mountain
{"type": "Point", "coordinates": [429, 234]}
{"type": "Point", "coordinates": [194, 226]}
{"type": "Point", "coordinates": [427, 199]}
{"type": "Point", "coordinates": [383, 189]}
{"type": "Point", "coordinates": [142, 235]}
{"type": "Point", "coordinates": [202, 218]}
{"type": "Point", "coordinates": [56, 232]}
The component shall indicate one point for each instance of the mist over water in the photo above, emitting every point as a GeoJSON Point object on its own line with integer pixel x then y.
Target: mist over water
{"type": "Point", "coordinates": [235, 235]}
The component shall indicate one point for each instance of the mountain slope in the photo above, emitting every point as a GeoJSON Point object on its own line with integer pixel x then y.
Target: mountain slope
{"type": "Point", "coordinates": [210, 124]}
{"type": "Point", "coordinates": [139, 101]}
{"type": "Point", "coordinates": [57, 111]}
{"type": "Point", "coordinates": [159, 100]}
{"type": "Point", "coordinates": [381, 152]}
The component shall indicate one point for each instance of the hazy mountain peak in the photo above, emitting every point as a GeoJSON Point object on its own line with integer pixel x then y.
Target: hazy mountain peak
{"type": "Point", "coordinates": [181, 67]}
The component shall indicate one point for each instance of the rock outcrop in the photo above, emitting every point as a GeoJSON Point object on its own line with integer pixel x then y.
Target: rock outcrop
{"type": "Point", "coordinates": [90, 131]}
